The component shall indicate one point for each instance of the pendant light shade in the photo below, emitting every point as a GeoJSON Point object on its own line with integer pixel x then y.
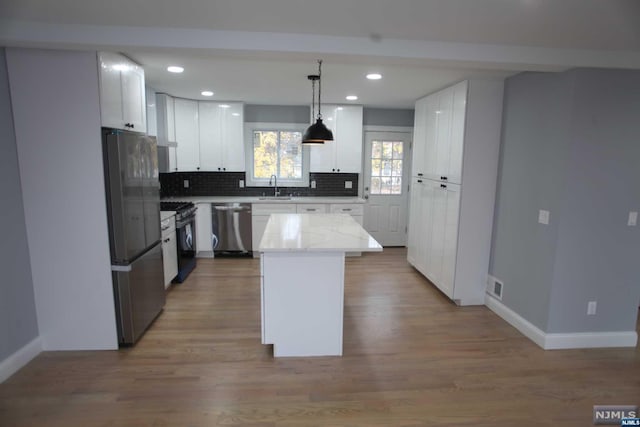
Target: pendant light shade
{"type": "Point", "coordinates": [317, 133]}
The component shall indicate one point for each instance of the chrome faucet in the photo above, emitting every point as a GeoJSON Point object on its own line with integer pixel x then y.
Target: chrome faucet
{"type": "Point", "coordinates": [276, 193]}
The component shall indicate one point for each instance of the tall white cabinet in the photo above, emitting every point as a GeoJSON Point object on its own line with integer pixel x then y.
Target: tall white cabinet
{"type": "Point", "coordinates": [454, 168]}
{"type": "Point", "coordinates": [344, 153]}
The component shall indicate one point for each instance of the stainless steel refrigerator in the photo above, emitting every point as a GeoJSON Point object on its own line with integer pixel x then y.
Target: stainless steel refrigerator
{"type": "Point", "coordinates": [133, 204]}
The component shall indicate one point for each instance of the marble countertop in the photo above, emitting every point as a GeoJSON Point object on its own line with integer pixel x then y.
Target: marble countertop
{"type": "Point", "coordinates": [255, 199]}
{"type": "Point", "coordinates": [316, 232]}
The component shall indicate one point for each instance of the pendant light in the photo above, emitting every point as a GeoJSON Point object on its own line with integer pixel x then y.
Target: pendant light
{"type": "Point", "coordinates": [317, 133]}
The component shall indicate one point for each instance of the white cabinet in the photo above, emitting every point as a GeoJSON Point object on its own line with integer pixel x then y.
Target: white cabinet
{"type": "Point", "coordinates": [169, 250]}
{"type": "Point", "coordinates": [122, 93]}
{"type": "Point", "coordinates": [187, 135]}
{"type": "Point", "coordinates": [439, 134]}
{"type": "Point", "coordinates": [344, 153]}
{"type": "Point", "coordinates": [204, 233]}
{"type": "Point", "coordinates": [152, 127]}
{"type": "Point", "coordinates": [456, 144]}
{"type": "Point", "coordinates": [221, 136]}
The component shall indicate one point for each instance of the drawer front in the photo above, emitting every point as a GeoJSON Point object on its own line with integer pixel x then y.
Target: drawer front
{"type": "Point", "coordinates": [168, 226]}
{"type": "Point", "coordinates": [312, 208]}
{"type": "Point", "coordinates": [270, 208]}
{"type": "Point", "coordinates": [350, 209]}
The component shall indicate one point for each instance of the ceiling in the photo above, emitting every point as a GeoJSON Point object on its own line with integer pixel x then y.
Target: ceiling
{"type": "Point", "coordinates": [260, 51]}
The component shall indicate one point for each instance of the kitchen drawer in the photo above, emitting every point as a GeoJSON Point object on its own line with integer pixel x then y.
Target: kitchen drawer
{"type": "Point", "coordinates": [168, 226]}
{"type": "Point", "coordinates": [271, 208]}
{"type": "Point", "coordinates": [312, 208]}
{"type": "Point", "coordinates": [351, 209]}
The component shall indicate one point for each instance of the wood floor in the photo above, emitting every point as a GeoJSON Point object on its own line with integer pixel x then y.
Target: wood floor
{"type": "Point", "coordinates": [411, 358]}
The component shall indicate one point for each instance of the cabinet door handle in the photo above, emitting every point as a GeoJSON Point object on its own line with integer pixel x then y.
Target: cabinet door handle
{"type": "Point", "coordinates": [419, 181]}
{"type": "Point", "coordinates": [419, 174]}
{"type": "Point", "coordinates": [218, 168]}
{"type": "Point", "coordinates": [333, 170]}
{"type": "Point", "coordinates": [224, 169]}
{"type": "Point", "coordinates": [444, 178]}
{"type": "Point", "coordinates": [346, 210]}
{"type": "Point", "coordinates": [338, 170]}
{"type": "Point", "coordinates": [311, 210]}
{"type": "Point", "coordinates": [198, 167]}
{"type": "Point", "coordinates": [443, 186]}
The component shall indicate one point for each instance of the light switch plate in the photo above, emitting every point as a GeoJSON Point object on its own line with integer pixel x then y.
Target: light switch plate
{"type": "Point", "coordinates": [591, 308]}
{"type": "Point", "coordinates": [242, 183]}
{"type": "Point", "coordinates": [348, 184]}
{"type": "Point", "coordinates": [633, 219]}
{"type": "Point", "coordinates": [185, 183]}
{"type": "Point", "coordinates": [313, 184]}
{"type": "Point", "coordinates": [543, 217]}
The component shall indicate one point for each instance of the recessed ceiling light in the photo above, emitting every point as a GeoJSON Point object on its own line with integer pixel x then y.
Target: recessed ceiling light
{"type": "Point", "coordinates": [175, 69]}
{"type": "Point", "coordinates": [224, 106]}
{"type": "Point", "coordinates": [351, 97]}
{"type": "Point", "coordinates": [206, 93]}
{"type": "Point", "coordinates": [374, 76]}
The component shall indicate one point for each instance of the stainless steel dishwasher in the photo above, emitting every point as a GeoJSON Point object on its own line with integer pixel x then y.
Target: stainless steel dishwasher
{"type": "Point", "coordinates": [231, 229]}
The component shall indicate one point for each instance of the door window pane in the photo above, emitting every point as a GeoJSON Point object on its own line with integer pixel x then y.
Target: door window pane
{"type": "Point", "coordinates": [387, 161]}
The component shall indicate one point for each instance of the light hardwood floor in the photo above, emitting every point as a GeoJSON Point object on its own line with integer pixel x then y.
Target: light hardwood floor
{"type": "Point", "coordinates": [411, 358]}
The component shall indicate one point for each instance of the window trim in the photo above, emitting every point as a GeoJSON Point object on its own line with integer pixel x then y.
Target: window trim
{"type": "Point", "coordinates": [249, 128]}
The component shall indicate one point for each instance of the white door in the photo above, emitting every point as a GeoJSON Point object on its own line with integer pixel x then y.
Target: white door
{"type": "Point", "coordinates": [386, 180]}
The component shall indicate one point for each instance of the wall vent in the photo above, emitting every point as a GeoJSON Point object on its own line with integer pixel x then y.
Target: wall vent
{"type": "Point", "coordinates": [495, 287]}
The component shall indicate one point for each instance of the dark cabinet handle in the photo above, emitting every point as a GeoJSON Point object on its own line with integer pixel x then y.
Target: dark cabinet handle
{"type": "Point", "coordinates": [420, 181]}
{"type": "Point", "coordinates": [198, 167]}
{"type": "Point", "coordinates": [218, 168]}
{"type": "Point", "coordinates": [443, 186]}
{"type": "Point", "coordinates": [333, 170]}
{"type": "Point", "coordinates": [224, 169]}
{"type": "Point", "coordinates": [444, 178]}
{"type": "Point", "coordinates": [419, 174]}
{"type": "Point", "coordinates": [338, 170]}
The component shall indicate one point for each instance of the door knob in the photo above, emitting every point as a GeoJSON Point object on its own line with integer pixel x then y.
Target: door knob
{"type": "Point", "coordinates": [366, 197]}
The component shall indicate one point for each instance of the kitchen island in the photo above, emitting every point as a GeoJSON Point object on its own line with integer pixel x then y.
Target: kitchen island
{"type": "Point", "coordinates": [302, 281]}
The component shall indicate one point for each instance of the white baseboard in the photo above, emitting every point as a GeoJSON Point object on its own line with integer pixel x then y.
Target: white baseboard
{"type": "Point", "coordinates": [563, 340]}
{"type": "Point", "coordinates": [17, 360]}
{"type": "Point", "coordinates": [527, 328]}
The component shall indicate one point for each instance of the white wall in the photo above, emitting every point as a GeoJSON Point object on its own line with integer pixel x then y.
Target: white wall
{"type": "Point", "coordinates": [57, 124]}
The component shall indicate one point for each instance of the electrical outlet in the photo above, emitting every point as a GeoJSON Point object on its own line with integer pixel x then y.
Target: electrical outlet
{"type": "Point", "coordinates": [313, 184]}
{"type": "Point", "coordinates": [348, 184]}
{"type": "Point", "coordinates": [242, 183]}
{"type": "Point", "coordinates": [185, 183]}
{"type": "Point", "coordinates": [591, 308]}
{"type": "Point", "coordinates": [543, 217]}
{"type": "Point", "coordinates": [633, 219]}
{"type": "Point", "coordinates": [495, 287]}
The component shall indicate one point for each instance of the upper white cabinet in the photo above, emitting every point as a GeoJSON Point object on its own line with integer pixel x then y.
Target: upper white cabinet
{"type": "Point", "coordinates": [439, 134]}
{"type": "Point", "coordinates": [221, 136]}
{"type": "Point", "coordinates": [122, 93]}
{"type": "Point", "coordinates": [152, 114]}
{"type": "Point", "coordinates": [455, 165]}
{"type": "Point", "coordinates": [344, 153]}
{"type": "Point", "coordinates": [187, 135]}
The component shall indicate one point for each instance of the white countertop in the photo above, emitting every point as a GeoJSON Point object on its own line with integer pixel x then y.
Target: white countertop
{"type": "Point", "coordinates": [166, 214]}
{"type": "Point", "coordinates": [316, 232]}
{"type": "Point", "coordinates": [255, 199]}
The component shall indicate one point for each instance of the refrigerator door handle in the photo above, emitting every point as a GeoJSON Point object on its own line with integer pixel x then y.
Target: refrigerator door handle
{"type": "Point", "coordinates": [122, 268]}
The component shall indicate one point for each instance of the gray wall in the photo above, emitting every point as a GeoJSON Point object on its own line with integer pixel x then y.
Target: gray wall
{"type": "Point", "coordinates": [568, 147]}
{"type": "Point", "coordinates": [387, 117]}
{"type": "Point", "coordinates": [598, 255]}
{"type": "Point", "coordinates": [301, 114]}
{"type": "Point", "coordinates": [18, 322]}
{"type": "Point", "coordinates": [276, 113]}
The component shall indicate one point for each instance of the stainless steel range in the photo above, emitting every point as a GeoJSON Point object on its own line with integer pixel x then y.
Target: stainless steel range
{"type": "Point", "coordinates": [185, 236]}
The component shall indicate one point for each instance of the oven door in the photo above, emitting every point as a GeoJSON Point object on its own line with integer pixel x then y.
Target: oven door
{"type": "Point", "coordinates": [186, 243]}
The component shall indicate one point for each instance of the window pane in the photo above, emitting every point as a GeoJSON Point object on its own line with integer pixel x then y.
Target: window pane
{"type": "Point", "coordinates": [376, 150]}
{"type": "Point", "coordinates": [396, 185]}
{"type": "Point", "coordinates": [385, 186]}
{"type": "Point", "coordinates": [387, 150]}
{"type": "Point", "coordinates": [265, 153]}
{"type": "Point", "coordinates": [375, 185]}
{"type": "Point", "coordinates": [386, 168]}
{"type": "Point", "coordinates": [397, 168]}
{"type": "Point", "coordinates": [290, 155]}
{"type": "Point", "coordinates": [375, 167]}
{"type": "Point", "coordinates": [397, 150]}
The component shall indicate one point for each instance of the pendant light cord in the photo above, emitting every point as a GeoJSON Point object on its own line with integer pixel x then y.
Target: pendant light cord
{"type": "Point", "coordinates": [313, 99]}
{"type": "Point", "coordinates": [319, 87]}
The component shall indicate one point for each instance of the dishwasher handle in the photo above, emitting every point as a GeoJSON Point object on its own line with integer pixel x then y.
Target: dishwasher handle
{"type": "Point", "coordinates": [232, 208]}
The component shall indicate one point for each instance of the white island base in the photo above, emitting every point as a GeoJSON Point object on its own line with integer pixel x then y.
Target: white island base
{"type": "Point", "coordinates": [302, 281]}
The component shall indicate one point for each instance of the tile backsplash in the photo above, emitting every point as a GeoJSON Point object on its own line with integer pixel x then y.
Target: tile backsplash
{"type": "Point", "coordinates": [228, 184]}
